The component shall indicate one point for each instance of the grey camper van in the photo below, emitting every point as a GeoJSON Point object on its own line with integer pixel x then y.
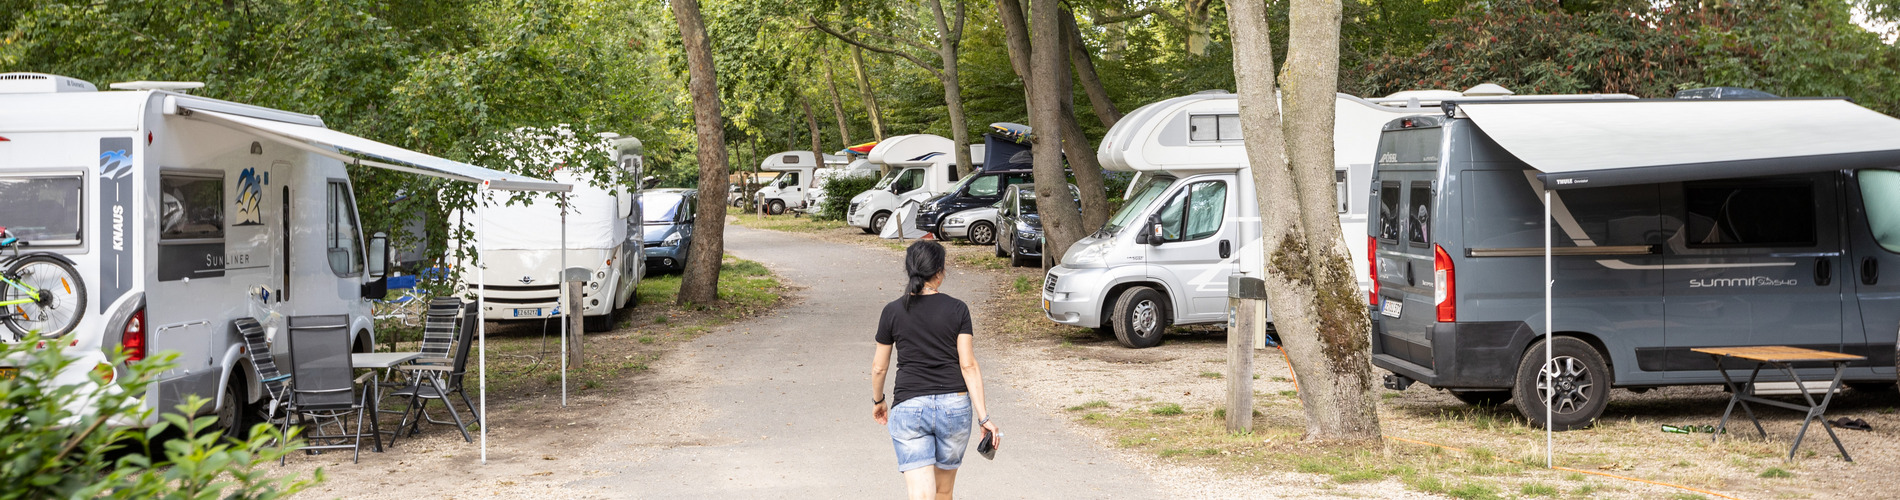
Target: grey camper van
{"type": "Point", "coordinates": [1675, 224]}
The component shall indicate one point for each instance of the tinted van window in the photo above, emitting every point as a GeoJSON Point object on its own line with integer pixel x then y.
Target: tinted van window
{"type": "Point", "coordinates": [1418, 214]}
{"type": "Point", "coordinates": [42, 209]}
{"type": "Point", "coordinates": [1880, 192]}
{"type": "Point", "coordinates": [1389, 216]}
{"type": "Point", "coordinates": [987, 185]}
{"type": "Point", "coordinates": [1751, 213]}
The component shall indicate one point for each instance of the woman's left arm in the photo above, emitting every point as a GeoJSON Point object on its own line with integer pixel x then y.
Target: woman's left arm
{"type": "Point", "coordinates": [973, 380]}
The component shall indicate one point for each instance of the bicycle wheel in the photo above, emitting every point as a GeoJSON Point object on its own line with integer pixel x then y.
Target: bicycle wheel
{"type": "Point", "coordinates": [61, 303]}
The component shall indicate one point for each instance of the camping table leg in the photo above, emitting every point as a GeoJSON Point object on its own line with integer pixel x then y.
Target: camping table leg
{"type": "Point", "coordinates": [1815, 410]}
{"type": "Point", "coordinates": [1735, 397]}
{"type": "Point", "coordinates": [375, 394]}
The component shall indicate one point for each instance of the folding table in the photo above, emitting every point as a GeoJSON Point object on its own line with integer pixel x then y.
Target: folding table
{"type": "Point", "coordinates": [1782, 358]}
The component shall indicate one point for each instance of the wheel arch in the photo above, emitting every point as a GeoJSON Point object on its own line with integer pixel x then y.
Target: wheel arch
{"type": "Point", "coordinates": [1116, 290]}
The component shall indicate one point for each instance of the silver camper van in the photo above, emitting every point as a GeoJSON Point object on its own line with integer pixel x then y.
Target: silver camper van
{"type": "Point", "coordinates": [1674, 224]}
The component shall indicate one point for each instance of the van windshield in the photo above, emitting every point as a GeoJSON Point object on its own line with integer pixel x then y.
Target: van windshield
{"type": "Point", "coordinates": [889, 178]}
{"type": "Point", "coordinates": [660, 207]}
{"type": "Point", "coordinates": [41, 209]}
{"type": "Point", "coordinates": [1877, 188]}
{"type": "Point", "coordinates": [1145, 195]}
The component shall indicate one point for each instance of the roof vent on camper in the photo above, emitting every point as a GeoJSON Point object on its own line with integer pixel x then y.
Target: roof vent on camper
{"type": "Point", "coordinates": [1723, 93]}
{"type": "Point", "coordinates": [41, 83]}
{"type": "Point", "coordinates": [1487, 90]}
{"type": "Point", "coordinates": [145, 85]}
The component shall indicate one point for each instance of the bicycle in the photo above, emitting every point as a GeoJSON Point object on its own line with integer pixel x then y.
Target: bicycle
{"type": "Point", "coordinates": [40, 294]}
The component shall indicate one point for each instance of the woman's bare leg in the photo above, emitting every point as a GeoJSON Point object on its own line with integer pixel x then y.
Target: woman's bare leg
{"type": "Point", "coordinates": [921, 482]}
{"type": "Point", "coordinates": [946, 482]}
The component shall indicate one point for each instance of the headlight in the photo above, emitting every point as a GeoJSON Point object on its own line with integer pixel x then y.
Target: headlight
{"type": "Point", "coordinates": [1087, 256]}
{"type": "Point", "coordinates": [671, 239]}
{"type": "Point", "coordinates": [955, 220]}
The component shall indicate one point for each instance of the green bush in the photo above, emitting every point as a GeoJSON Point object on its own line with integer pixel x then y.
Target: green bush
{"type": "Point", "coordinates": [53, 445]}
{"type": "Point", "coordinates": [838, 194]}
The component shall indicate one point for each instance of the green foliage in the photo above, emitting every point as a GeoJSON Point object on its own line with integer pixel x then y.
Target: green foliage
{"type": "Point", "coordinates": [1167, 409]}
{"type": "Point", "coordinates": [838, 194]}
{"type": "Point", "coordinates": [59, 430]}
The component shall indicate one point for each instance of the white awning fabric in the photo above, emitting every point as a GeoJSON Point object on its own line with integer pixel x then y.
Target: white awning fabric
{"type": "Point", "coordinates": [1610, 143]}
{"type": "Point", "coordinates": [394, 158]}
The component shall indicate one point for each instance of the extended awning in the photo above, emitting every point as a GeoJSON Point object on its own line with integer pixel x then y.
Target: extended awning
{"type": "Point", "coordinates": [392, 157]}
{"type": "Point", "coordinates": [1611, 143]}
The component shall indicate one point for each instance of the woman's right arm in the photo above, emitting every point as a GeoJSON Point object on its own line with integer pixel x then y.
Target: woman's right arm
{"type": "Point", "coordinates": [880, 364]}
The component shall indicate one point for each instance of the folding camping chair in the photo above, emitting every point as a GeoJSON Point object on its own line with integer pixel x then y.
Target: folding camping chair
{"type": "Point", "coordinates": [265, 366]}
{"type": "Point", "coordinates": [324, 392]}
{"type": "Point", "coordinates": [437, 380]}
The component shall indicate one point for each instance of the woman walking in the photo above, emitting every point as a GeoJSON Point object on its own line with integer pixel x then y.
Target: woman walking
{"type": "Point", "coordinates": [940, 387]}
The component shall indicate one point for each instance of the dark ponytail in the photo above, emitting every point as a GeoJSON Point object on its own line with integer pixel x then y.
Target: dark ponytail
{"type": "Point", "coordinates": [922, 261]}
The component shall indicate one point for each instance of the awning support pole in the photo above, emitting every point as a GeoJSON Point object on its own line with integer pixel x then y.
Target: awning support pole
{"type": "Point", "coordinates": [565, 305]}
{"type": "Point", "coordinates": [481, 313]}
{"type": "Point", "coordinates": [1548, 336]}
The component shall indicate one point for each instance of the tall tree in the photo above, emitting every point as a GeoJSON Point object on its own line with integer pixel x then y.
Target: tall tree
{"type": "Point", "coordinates": [837, 103]}
{"type": "Point", "coordinates": [700, 285]}
{"type": "Point", "coordinates": [1048, 63]}
{"type": "Point", "coordinates": [865, 93]}
{"type": "Point", "coordinates": [949, 37]}
{"type": "Point", "coordinates": [1084, 61]}
{"type": "Point", "coordinates": [1309, 279]}
{"type": "Point", "coordinates": [1089, 179]}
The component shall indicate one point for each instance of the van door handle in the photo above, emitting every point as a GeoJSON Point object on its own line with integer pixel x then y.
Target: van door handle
{"type": "Point", "coordinates": [1226, 248]}
{"type": "Point", "coordinates": [1823, 271]}
{"type": "Point", "coordinates": [1410, 278]}
{"type": "Point", "coordinates": [1869, 271]}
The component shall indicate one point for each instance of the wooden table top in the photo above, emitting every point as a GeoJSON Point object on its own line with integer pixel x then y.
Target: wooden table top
{"type": "Point", "coordinates": [1777, 354]}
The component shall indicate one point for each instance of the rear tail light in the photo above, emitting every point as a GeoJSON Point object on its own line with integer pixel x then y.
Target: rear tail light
{"type": "Point", "coordinates": [1446, 279]}
{"type": "Point", "coordinates": [132, 340]}
{"type": "Point", "coordinates": [1372, 269]}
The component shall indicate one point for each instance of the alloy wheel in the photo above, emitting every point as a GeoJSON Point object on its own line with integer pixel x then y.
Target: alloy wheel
{"type": "Point", "coordinates": [1145, 316]}
{"type": "Point", "coordinates": [1565, 384]}
{"type": "Point", "coordinates": [982, 234]}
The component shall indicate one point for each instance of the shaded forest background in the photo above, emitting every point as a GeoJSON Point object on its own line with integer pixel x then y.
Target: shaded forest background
{"type": "Point", "coordinates": [445, 76]}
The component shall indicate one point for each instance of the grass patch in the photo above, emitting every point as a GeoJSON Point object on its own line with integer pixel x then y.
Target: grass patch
{"type": "Point", "coordinates": [787, 223]}
{"type": "Point", "coordinates": [1687, 496]}
{"type": "Point", "coordinates": [1089, 405]}
{"type": "Point", "coordinates": [1210, 375]}
{"type": "Point", "coordinates": [1025, 284]}
{"type": "Point", "coordinates": [1775, 473]}
{"type": "Point", "coordinates": [1167, 409]}
{"type": "Point", "coordinates": [1537, 490]}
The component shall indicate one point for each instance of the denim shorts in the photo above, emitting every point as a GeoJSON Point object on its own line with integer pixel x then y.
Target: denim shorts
{"type": "Point", "coordinates": [931, 430]}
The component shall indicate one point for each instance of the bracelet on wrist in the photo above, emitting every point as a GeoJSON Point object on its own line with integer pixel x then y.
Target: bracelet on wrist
{"type": "Point", "coordinates": [879, 400]}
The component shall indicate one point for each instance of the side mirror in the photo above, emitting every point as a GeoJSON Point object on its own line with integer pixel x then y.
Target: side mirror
{"type": "Point", "coordinates": [1141, 238]}
{"type": "Point", "coordinates": [378, 255]}
{"type": "Point", "coordinates": [1155, 234]}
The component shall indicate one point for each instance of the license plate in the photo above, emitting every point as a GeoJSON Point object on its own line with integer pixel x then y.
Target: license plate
{"type": "Point", "coordinates": [528, 313]}
{"type": "Point", "coordinates": [1391, 308]}
{"type": "Point", "coordinates": [9, 373]}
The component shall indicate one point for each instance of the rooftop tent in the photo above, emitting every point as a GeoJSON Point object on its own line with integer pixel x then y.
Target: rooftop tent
{"type": "Point", "coordinates": [1611, 143]}
{"type": "Point", "coordinates": [1006, 147]}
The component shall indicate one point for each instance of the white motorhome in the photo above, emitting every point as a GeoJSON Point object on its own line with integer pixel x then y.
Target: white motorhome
{"type": "Point", "coordinates": [920, 166]}
{"type": "Point", "coordinates": [522, 247]}
{"type": "Point", "coordinates": [1196, 185]}
{"type": "Point", "coordinates": [181, 214]}
{"type": "Point", "coordinates": [796, 183]}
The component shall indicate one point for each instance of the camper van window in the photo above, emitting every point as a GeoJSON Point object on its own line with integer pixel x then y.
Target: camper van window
{"type": "Point", "coordinates": [910, 180]}
{"type": "Point", "coordinates": [1214, 128]}
{"type": "Point", "coordinates": [343, 241]}
{"type": "Point", "coordinates": [1339, 187]}
{"type": "Point", "coordinates": [1389, 217]}
{"type": "Point", "coordinates": [1877, 192]}
{"type": "Point", "coordinates": [43, 210]}
{"type": "Point", "coordinates": [191, 207]}
{"type": "Point", "coordinates": [1750, 213]}
{"type": "Point", "coordinates": [1145, 195]}
{"type": "Point", "coordinates": [789, 179]}
{"type": "Point", "coordinates": [984, 185]}
{"type": "Point", "coordinates": [1207, 206]}
{"type": "Point", "coordinates": [1418, 214]}
{"type": "Point", "coordinates": [889, 178]}
{"type": "Point", "coordinates": [1230, 128]}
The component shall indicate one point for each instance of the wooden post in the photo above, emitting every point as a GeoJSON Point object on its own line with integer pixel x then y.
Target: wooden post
{"type": "Point", "coordinates": [1246, 321]}
{"type": "Point", "coordinates": [574, 325]}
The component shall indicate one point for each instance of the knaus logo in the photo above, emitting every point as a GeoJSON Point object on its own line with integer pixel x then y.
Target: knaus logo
{"type": "Point", "coordinates": [1753, 281]}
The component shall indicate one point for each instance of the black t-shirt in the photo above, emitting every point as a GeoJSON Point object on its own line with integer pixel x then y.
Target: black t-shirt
{"type": "Point", "coordinates": [926, 340]}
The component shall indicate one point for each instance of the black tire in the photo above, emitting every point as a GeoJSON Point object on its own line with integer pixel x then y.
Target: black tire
{"type": "Point", "coordinates": [775, 207]}
{"type": "Point", "coordinates": [1016, 258]}
{"type": "Point", "coordinates": [232, 422]}
{"type": "Point", "coordinates": [1141, 315]}
{"type": "Point", "coordinates": [877, 222]}
{"type": "Point", "coordinates": [1583, 384]}
{"type": "Point", "coordinates": [1483, 398]}
{"type": "Point", "coordinates": [595, 324]}
{"type": "Point", "coordinates": [999, 251]}
{"type": "Point", "coordinates": [64, 303]}
{"type": "Point", "coordinates": [982, 233]}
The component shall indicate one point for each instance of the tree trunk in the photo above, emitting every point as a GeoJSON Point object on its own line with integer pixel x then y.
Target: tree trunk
{"type": "Point", "coordinates": [1117, 43]}
{"type": "Point", "coordinates": [1309, 279]}
{"type": "Point", "coordinates": [949, 37]}
{"type": "Point", "coordinates": [1199, 12]}
{"type": "Point", "coordinates": [817, 145]}
{"type": "Point", "coordinates": [1061, 220]}
{"type": "Point", "coordinates": [865, 93]}
{"type": "Point", "coordinates": [1016, 30]}
{"type": "Point", "coordinates": [1089, 180]}
{"type": "Point", "coordinates": [1085, 71]}
{"type": "Point", "coordinates": [837, 104]}
{"type": "Point", "coordinates": [700, 284]}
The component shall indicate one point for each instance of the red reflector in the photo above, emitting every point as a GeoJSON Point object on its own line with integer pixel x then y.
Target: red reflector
{"type": "Point", "coordinates": [1372, 269]}
{"type": "Point", "coordinates": [1446, 292]}
{"type": "Point", "coordinates": [1405, 123]}
{"type": "Point", "coordinates": [4, 139]}
{"type": "Point", "coordinates": [132, 340]}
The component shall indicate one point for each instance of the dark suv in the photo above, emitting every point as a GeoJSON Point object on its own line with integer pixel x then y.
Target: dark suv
{"type": "Point", "coordinates": [981, 189]}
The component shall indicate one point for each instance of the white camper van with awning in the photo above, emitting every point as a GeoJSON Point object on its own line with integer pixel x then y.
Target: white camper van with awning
{"type": "Point", "coordinates": [921, 166]}
{"type": "Point", "coordinates": [181, 214]}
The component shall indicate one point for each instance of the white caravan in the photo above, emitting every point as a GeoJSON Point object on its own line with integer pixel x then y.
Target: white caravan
{"type": "Point", "coordinates": [797, 182]}
{"type": "Point", "coordinates": [1196, 215]}
{"type": "Point", "coordinates": [522, 248]}
{"type": "Point", "coordinates": [921, 166]}
{"type": "Point", "coordinates": [181, 214]}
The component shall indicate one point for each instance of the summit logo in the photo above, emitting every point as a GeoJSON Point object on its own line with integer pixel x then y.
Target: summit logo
{"type": "Point", "coordinates": [1752, 281]}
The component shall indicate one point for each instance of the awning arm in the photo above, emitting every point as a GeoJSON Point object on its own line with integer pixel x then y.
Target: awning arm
{"type": "Point", "coordinates": [305, 144]}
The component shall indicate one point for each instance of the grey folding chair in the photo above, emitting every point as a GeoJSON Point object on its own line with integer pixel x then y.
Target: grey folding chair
{"type": "Point", "coordinates": [440, 326]}
{"type": "Point", "coordinates": [430, 382]}
{"type": "Point", "coordinates": [265, 366]}
{"type": "Point", "coordinates": [325, 392]}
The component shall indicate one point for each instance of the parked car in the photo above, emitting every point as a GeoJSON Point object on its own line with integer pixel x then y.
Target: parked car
{"type": "Point", "coordinates": [667, 215]}
{"type": "Point", "coordinates": [1021, 236]}
{"type": "Point", "coordinates": [1006, 162]}
{"type": "Point", "coordinates": [921, 166]}
{"type": "Point", "coordinates": [1767, 232]}
{"type": "Point", "coordinates": [978, 226]}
